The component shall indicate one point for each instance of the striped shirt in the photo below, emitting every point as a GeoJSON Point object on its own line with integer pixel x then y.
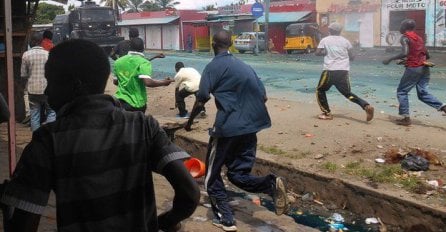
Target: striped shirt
{"type": "Point", "coordinates": [98, 159]}
{"type": "Point", "coordinates": [33, 68]}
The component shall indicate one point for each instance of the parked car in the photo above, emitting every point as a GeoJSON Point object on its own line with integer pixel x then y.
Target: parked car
{"type": "Point", "coordinates": [246, 41]}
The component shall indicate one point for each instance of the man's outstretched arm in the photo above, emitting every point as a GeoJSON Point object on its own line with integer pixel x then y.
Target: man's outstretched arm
{"type": "Point", "coordinates": [197, 108]}
{"type": "Point", "coordinates": [187, 196]}
{"type": "Point", "coordinates": [404, 51]}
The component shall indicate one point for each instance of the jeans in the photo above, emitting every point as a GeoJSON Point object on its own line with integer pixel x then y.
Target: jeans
{"type": "Point", "coordinates": [38, 104]}
{"type": "Point", "coordinates": [419, 77]}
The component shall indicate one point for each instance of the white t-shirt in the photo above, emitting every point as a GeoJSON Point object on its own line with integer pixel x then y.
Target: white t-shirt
{"type": "Point", "coordinates": [337, 52]}
{"type": "Point", "coordinates": [188, 79]}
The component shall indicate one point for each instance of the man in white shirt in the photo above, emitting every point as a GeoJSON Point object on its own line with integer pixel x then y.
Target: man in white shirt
{"type": "Point", "coordinates": [337, 52]}
{"type": "Point", "coordinates": [33, 69]}
{"type": "Point", "coordinates": [187, 81]}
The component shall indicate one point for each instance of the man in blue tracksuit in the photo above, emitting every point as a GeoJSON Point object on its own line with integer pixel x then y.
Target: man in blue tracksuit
{"type": "Point", "coordinates": [240, 99]}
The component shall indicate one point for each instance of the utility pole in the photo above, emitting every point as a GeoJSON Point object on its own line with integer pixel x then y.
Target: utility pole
{"type": "Point", "coordinates": [266, 24]}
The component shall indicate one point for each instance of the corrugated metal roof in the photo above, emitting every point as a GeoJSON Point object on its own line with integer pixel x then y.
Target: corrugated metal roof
{"type": "Point", "coordinates": [148, 21]}
{"type": "Point", "coordinates": [285, 17]}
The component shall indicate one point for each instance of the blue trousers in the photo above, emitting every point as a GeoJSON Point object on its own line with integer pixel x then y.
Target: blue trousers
{"type": "Point", "coordinates": [238, 154]}
{"type": "Point", "coordinates": [419, 77]}
{"type": "Point", "coordinates": [37, 103]}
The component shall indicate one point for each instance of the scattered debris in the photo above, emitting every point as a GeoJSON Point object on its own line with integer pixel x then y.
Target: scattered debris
{"type": "Point", "coordinates": [430, 156]}
{"type": "Point", "coordinates": [318, 156]}
{"type": "Point", "coordinates": [307, 197]}
{"type": "Point", "coordinates": [380, 146]}
{"type": "Point", "coordinates": [318, 202]}
{"type": "Point", "coordinates": [254, 199]}
{"type": "Point", "coordinates": [380, 160]}
{"type": "Point", "coordinates": [383, 227]}
{"type": "Point", "coordinates": [417, 174]}
{"type": "Point", "coordinates": [393, 156]}
{"type": "Point", "coordinates": [336, 222]}
{"type": "Point", "coordinates": [309, 135]}
{"type": "Point", "coordinates": [371, 221]}
{"type": "Point", "coordinates": [199, 219]}
{"type": "Point", "coordinates": [414, 162]}
{"type": "Point", "coordinates": [207, 205]}
{"type": "Point", "coordinates": [379, 139]}
{"type": "Point", "coordinates": [435, 183]}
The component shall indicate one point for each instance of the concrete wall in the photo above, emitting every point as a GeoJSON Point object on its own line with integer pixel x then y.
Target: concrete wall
{"type": "Point", "coordinates": [361, 21]}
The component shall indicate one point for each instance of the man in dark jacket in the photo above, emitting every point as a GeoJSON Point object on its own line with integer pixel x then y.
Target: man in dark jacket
{"type": "Point", "coordinates": [240, 99]}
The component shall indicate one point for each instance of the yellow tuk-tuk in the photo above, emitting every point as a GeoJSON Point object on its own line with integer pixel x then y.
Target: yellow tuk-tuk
{"type": "Point", "coordinates": [301, 37]}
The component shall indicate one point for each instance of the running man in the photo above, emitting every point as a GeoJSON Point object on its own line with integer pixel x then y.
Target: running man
{"type": "Point", "coordinates": [417, 72]}
{"type": "Point", "coordinates": [241, 112]}
{"type": "Point", "coordinates": [187, 81]}
{"type": "Point", "coordinates": [337, 52]}
{"type": "Point", "coordinates": [133, 72]}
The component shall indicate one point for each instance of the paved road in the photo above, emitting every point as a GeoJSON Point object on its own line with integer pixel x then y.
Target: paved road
{"type": "Point", "coordinates": [294, 77]}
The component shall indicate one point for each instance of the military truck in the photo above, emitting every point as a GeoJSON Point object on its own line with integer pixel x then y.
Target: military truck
{"type": "Point", "coordinates": [90, 22]}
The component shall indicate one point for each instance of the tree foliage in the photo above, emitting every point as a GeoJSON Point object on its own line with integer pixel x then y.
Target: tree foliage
{"type": "Point", "coordinates": [165, 4]}
{"type": "Point", "coordinates": [121, 3]}
{"type": "Point", "coordinates": [150, 6]}
{"type": "Point", "coordinates": [209, 8]}
{"type": "Point", "coordinates": [135, 5]}
{"type": "Point", "coordinates": [46, 13]}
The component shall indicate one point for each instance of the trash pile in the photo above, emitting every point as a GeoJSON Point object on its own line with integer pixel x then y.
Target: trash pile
{"type": "Point", "coordinates": [414, 163]}
{"type": "Point", "coordinates": [415, 160]}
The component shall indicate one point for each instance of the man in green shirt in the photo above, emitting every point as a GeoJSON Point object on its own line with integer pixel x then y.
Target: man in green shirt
{"type": "Point", "coordinates": [133, 72]}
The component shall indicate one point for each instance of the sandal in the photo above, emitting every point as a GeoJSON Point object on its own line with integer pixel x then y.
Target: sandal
{"type": "Point", "coordinates": [325, 116]}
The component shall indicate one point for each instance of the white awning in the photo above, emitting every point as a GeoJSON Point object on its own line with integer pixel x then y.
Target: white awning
{"type": "Point", "coordinates": [147, 21]}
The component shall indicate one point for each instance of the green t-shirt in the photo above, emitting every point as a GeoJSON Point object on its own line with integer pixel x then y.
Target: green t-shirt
{"type": "Point", "coordinates": [131, 88]}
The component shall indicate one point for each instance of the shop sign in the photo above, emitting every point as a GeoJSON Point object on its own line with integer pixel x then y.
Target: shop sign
{"type": "Point", "coordinates": [406, 4]}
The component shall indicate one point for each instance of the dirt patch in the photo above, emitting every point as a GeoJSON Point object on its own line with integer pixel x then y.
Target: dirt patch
{"type": "Point", "coordinates": [344, 148]}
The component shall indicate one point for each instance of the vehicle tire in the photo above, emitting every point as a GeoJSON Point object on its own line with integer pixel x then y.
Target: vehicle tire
{"type": "Point", "coordinates": [308, 50]}
{"type": "Point", "coordinates": [289, 51]}
{"type": "Point", "coordinates": [241, 51]}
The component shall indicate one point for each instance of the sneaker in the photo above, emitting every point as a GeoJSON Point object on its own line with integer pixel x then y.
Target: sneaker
{"type": "Point", "coordinates": [280, 197]}
{"type": "Point", "coordinates": [404, 121]}
{"type": "Point", "coordinates": [369, 110]}
{"type": "Point", "coordinates": [186, 116]}
{"type": "Point", "coordinates": [325, 116]}
{"type": "Point", "coordinates": [203, 114]}
{"type": "Point", "coordinates": [225, 226]}
{"type": "Point", "coordinates": [443, 109]}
